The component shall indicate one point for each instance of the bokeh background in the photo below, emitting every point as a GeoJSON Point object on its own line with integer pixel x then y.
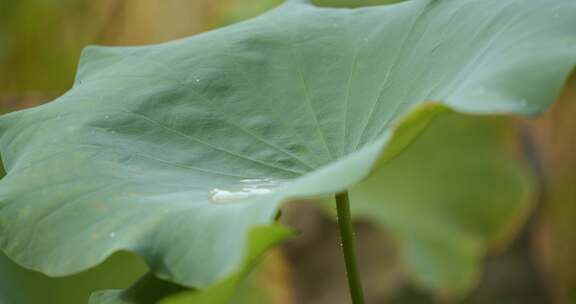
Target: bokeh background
{"type": "Point", "coordinates": [40, 43]}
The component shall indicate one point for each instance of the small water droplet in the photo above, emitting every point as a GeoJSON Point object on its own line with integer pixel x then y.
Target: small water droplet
{"type": "Point", "coordinates": [112, 234]}
{"type": "Point", "coordinates": [245, 188]}
{"type": "Point", "coordinates": [113, 132]}
{"type": "Point", "coordinates": [257, 181]}
{"type": "Point", "coordinates": [197, 80]}
{"type": "Point", "coordinates": [557, 14]}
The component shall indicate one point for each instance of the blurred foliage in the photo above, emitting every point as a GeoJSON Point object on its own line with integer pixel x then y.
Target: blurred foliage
{"type": "Point", "coordinates": [41, 40]}
{"type": "Point", "coordinates": [352, 3]}
{"type": "Point", "coordinates": [555, 233]}
{"type": "Point", "coordinates": [231, 11]}
{"type": "Point", "coordinates": [268, 283]}
{"type": "Point", "coordinates": [21, 286]}
{"type": "Point", "coordinates": [460, 207]}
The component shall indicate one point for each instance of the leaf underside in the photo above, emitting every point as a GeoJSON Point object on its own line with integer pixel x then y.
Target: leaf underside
{"type": "Point", "coordinates": [310, 98]}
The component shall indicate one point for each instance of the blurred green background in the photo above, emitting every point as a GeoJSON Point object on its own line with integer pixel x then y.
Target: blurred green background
{"type": "Point", "coordinates": [40, 43]}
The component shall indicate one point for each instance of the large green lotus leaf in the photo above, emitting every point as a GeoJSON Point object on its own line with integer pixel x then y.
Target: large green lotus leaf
{"type": "Point", "coordinates": [461, 191]}
{"type": "Point", "coordinates": [449, 197]}
{"type": "Point", "coordinates": [176, 151]}
{"type": "Point", "coordinates": [22, 286]}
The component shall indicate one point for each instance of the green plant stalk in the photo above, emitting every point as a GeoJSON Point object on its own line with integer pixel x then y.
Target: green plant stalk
{"type": "Point", "coordinates": [347, 238]}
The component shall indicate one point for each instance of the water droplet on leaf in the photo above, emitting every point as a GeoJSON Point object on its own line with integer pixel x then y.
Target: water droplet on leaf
{"type": "Point", "coordinates": [244, 189]}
